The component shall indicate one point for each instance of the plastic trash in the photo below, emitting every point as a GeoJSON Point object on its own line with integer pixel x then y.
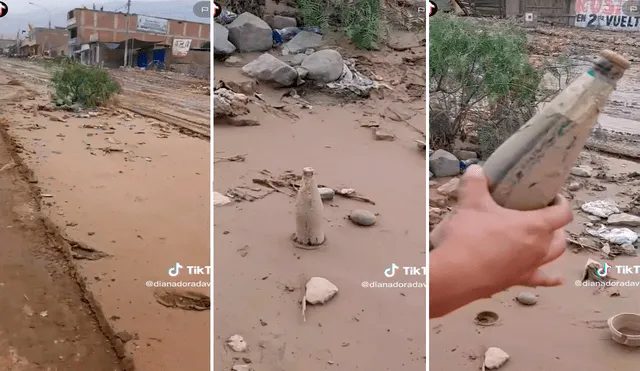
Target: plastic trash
{"type": "Point", "coordinates": [618, 236]}
{"type": "Point", "coordinates": [288, 33]}
{"type": "Point", "coordinates": [354, 81]}
{"type": "Point", "coordinates": [226, 17]}
{"type": "Point", "coordinates": [601, 208]}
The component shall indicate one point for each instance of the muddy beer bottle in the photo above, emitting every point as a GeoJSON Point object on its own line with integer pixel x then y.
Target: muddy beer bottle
{"type": "Point", "coordinates": [528, 170]}
{"type": "Point", "coordinates": [309, 219]}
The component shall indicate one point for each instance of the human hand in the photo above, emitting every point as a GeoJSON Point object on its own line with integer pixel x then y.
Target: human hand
{"type": "Point", "coordinates": [506, 247]}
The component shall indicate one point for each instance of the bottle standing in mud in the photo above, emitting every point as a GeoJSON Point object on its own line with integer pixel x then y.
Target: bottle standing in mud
{"type": "Point", "coordinates": [528, 170]}
{"type": "Point", "coordinates": [309, 219]}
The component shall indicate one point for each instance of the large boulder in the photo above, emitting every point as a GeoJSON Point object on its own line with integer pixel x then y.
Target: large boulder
{"type": "Point", "coordinates": [221, 44]}
{"type": "Point", "coordinates": [250, 34]}
{"type": "Point", "coordinates": [269, 68]}
{"type": "Point", "coordinates": [443, 164]}
{"type": "Point", "coordinates": [301, 42]}
{"type": "Point", "coordinates": [324, 65]}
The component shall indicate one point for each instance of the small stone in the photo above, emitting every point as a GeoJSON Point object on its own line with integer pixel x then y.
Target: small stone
{"type": "Point", "coordinates": [624, 219]}
{"type": "Point", "coordinates": [430, 175]}
{"type": "Point", "coordinates": [495, 358]}
{"type": "Point", "coordinates": [582, 171]}
{"type": "Point", "coordinates": [449, 188]}
{"type": "Point", "coordinates": [220, 200]}
{"type": "Point", "coordinates": [237, 343]}
{"type": "Point", "coordinates": [364, 218]}
{"type": "Point", "coordinates": [124, 336]}
{"type": "Point", "coordinates": [527, 298]}
{"type": "Point", "coordinates": [381, 134]}
{"type": "Point", "coordinates": [326, 193]}
{"type": "Point", "coordinates": [319, 290]}
{"type": "Point", "coordinates": [233, 62]}
{"type": "Point", "coordinates": [574, 186]}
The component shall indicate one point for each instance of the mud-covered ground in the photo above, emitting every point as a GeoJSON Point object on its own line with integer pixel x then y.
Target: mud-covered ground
{"type": "Point", "coordinates": [566, 329]}
{"type": "Point", "coordinates": [131, 194]}
{"type": "Point", "coordinates": [260, 275]}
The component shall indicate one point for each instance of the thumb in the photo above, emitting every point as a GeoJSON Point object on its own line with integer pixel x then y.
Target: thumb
{"type": "Point", "coordinates": [539, 278]}
{"type": "Point", "coordinates": [474, 188]}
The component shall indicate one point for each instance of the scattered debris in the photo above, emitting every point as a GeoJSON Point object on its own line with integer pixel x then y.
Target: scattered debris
{"type": "Point", "coordinates": [80, 250]}
{"type": "Point", "coordinates": [601, 208]}
{"type": "Point", "coordinates": [187, 300]}
{"type": "Point", "coordinates": [236, 158]}
{"type": "Point", "coordinates": [618, 236]}
{"type": "Point", "coordinates": [220, 200]}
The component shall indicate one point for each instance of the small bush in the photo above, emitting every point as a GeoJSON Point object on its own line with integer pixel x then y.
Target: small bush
{"type": "Point", "coordinates": [75, 83]}
{"type": "Point", "coordinates": [359, 19]}
{"type": "Point", "coordinates": [481, 70]}
{"type": "Point", "coordinates": [313, 13]}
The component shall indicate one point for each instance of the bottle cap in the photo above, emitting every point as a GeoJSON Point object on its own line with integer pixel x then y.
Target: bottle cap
{"type": "Point", "coordinates": [307, 171]}
{"type": "Point", "coordinates": [615, 58]}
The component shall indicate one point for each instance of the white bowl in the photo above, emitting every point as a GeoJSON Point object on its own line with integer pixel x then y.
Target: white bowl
{"type": "Point", "coordinates": [625, 321]}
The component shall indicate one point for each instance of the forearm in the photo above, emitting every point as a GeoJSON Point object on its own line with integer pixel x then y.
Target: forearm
{"type": "Point", "coordinates": [454, 281]}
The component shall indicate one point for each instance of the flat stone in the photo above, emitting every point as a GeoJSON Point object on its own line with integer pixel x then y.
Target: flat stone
{"type": "Point", "coordinates": [382, 134]}
{"type": "Point", "coordinates": [624, 219]}
{"type": "Point", "coordinates": [495, 358]}
{"type": "Point", "coordinates": [326, 193]}
{"type": "Point", "coordinates": [302, 42]}
{"type": "Point", "coordinates": [220, 200]}
{"type": "Point", "coordinates": [278, 22]}
{"type": "Point", "coordinates": [582, 171]}
{"type": "Point", "coordinates": [449, 188]}
{"type": "Point", "coordinates": [237, 343]}
{"type": "Point", "coordinates": [363, 218]}
{"type": "Point", "coordinates": [319, 290]}
{"type": "Point", "coordinates": [233, 62]}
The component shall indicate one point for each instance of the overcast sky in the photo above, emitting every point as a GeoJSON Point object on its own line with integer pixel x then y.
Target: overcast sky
{"type": "Point", "coordinates": [21, 13]}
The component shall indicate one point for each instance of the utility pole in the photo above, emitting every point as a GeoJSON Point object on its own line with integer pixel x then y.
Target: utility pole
{"type": "Point", "coordinates": [126, 38]}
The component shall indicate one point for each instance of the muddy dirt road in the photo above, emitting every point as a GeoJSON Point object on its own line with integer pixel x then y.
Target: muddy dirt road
{"type": "Point", "coordinates": [137, 191]}
{"type": "Point", "coordinates": [259, 273]}
{"type": "Point", "coordinates": [566, 329]}
{"type": "Point", "coordinates": [44, 322]}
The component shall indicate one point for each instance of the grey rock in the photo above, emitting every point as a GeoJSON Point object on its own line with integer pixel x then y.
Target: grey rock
{"type": "Point", "coordinates": [269, 68]}
{"type": "Point", "coordinates": [430, 175]}
{"type": "Point", "coordinates": [221, 44]}
{"type": "Point", "coordinates": [363, 218]}
{"type": "Point", "coordinates": [465, 155]}
{"type": "Point", "coordinates": [326, 193]}
{"type": "Point", "coordinates": [297, 59]}
{"type": "Point", "coordinates": [324, 65]}
{"type": "Point", "coordinates": [279, 22]}
{"type": "Point", "coordinates": [582, 171]}
{"type": "Point", "coordinates": [302, 72]}
{"type": "Point", "coordinates": [303, 41]}
{"type": "Point", "coordinates": [527, 298]}
{"type": "Point", "coordinates": [250, 34]}
{"type": "Point", "coordinates": [443, 163]}
{"type": "Point", "coordinates": [624, 219]}
{"type": "Point", "coordinates": [574, 186]}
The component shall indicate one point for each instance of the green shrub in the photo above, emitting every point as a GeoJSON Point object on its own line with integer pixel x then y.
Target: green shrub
{"type": "Point", "coordinates": [479, 68]}
{"type": "Point", "coordinates": [75, 83]}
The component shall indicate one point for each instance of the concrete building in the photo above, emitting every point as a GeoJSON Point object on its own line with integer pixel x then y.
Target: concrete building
{"type": "Point", "coordinates": [46, 42]}
{"type": "Point", "coordinates": [98, 37]}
